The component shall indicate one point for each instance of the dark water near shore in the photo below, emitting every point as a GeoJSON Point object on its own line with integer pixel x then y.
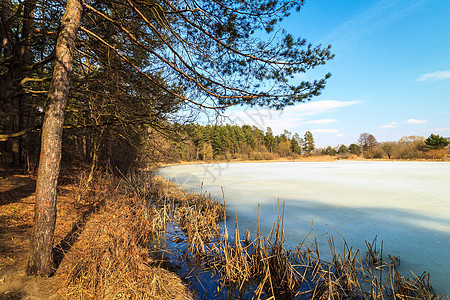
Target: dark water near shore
{"type": "Point", "coordinates": [405, 204]}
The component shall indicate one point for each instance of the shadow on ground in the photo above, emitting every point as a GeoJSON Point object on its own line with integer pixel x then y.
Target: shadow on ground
{"type": "Point", "coordinates": [17, 187]}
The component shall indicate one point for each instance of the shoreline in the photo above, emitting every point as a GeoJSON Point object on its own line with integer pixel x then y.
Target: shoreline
{"type": "Point", "coordinates": [302, 159]}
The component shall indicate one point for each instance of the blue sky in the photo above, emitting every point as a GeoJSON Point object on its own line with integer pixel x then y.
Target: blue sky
{"type": "Point", "coordinates": [391, 73]}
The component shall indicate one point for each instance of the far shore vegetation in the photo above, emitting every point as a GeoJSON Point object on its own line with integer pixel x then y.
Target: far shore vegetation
{"type": "Point", "coordinates": [197, 143]}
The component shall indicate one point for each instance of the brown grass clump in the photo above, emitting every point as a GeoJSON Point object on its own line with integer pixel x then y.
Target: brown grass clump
{"type": "Point", "coordinates": [196, 214]}
{"type": "Point", "coordinates": [110, 259]}
{"type": "Point", "coordinates": [263, 262]}
{"type": "Point", "coordinates": [199, 219]}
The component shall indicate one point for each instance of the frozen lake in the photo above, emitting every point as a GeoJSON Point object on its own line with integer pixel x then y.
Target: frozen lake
{"type": "Point", "coordinates": [405, 204]}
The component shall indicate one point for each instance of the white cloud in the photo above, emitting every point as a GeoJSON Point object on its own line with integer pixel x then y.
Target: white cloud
{"type": "Point", "coordinates": [438, 75]}
{"type": "Point", "coordinates": [279, 125]}
{"type": "Point", "coordinates": [322, 130]}
{"type": "Point", "coordinates": [414, 121]}
{"type": "Point", "coordinates": [441, 129]}
{"type": "Point", "coordinates": [321, 121]}
{"type": "Point", "coordinates": [389, 125]}
{"type": "Point", "coordinates": [290, 118]}
{"type": "Point", "coordinates": [261, 118]}
{"type": "Point", "coordinates": [318, 107]}
{"type": "Point", "coordinates": [339, 135]}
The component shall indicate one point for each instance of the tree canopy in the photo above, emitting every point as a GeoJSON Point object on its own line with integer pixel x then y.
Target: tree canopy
{"type": "Point", "coordinates": [436, 142]}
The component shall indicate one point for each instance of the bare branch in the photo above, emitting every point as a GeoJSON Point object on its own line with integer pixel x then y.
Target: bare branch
{"type": "Point", "coordinates": [28, 79]}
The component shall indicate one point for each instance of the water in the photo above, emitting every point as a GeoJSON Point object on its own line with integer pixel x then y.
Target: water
{"type": "Point", "coordinates": [405, 204]}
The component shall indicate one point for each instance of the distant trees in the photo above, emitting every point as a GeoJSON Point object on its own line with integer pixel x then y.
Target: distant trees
{"type": "Point", "coordinates": [435, 141]}
{"type": "Point", "coordinates": [329, 151]}
{"type": "Point", "coordinates": [249, 142]}
{"type": "Point", "coordinates": [343, 150]}
{"type": "Point", "coordinates": [308, 143]}
{"type": "Point", "coordinates": [367, 141]}
{"type": "Point", "coordinates": [284, 147]}
{"type": "Point", "coordinates": [389, 148]}
{"type": "Point", "coordinates": [410, 147]}
{"type": "Point", "coordinates": [296, 142]}
{"type": "Point", "coordinates": [207, 152]}
{"type": "Point", "coordinates": [435, 146]}
{"type": "Point", "coordinates": [237, 142]}
{"type": "Point", "coordinates": [354, 149]}
{"type": "Point", "coordinates": [269, 140]}
{"type": "Point", "coordinates": [369, 145]}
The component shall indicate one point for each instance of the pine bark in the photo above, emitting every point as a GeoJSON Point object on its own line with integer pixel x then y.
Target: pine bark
{"type": "Point", "coordinates": [41, 259]}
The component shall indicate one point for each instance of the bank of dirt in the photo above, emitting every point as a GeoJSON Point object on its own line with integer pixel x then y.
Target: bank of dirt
{"type": "Point", "coordinates": [90, 224]}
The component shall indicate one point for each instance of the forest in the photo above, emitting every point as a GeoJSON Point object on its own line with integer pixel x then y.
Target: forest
{"type": "Point", "coordinates": [232, 142]}
{"type": "Point", "coordinates": [240, 142]}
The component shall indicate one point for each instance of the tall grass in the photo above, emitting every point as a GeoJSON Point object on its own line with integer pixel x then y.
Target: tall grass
{"type": "Point", "coordinates": [110, 259]}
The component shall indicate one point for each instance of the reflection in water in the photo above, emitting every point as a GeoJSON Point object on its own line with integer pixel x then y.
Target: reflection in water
{"type": "Point", "coordinates": [405, 204]}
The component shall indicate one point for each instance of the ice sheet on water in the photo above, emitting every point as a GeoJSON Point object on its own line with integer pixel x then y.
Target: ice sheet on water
{"type": "Point", "coordinates": [405, 204]}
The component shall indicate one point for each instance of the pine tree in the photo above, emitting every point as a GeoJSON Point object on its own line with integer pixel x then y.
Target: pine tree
{"type": "Point", "coordinates": [269, 140]}
{"type": "Point", "coordinates": [308, 144]}
{"type": "Point", "coordinates": [435, 141]}
{"type": "Point", "coordinates": [295, 147]}
{"type": "Point", "coordinates": [354, 149]}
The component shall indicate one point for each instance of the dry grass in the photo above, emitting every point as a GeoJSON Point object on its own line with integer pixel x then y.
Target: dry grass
{"type": "Point", "coordinates": [110, 259]}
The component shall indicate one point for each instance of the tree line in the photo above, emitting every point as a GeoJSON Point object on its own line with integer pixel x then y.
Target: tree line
{"type": "Point", "coordinates": [227, 142]}
{"type": "Point", "coordinates": [408, 147]}
{"type": "Point", "coordinates": [214, 142]}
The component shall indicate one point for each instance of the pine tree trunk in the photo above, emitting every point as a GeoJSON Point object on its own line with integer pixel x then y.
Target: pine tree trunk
{"type": "Point", "coordinates": [41, 259]}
